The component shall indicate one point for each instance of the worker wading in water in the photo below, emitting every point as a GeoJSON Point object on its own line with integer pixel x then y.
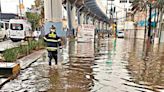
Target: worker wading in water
{"type": "Point", "coordinates": [53, 42]}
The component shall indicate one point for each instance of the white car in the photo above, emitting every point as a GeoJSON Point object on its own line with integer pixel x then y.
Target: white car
{"type": "Point", "coordinates": [19, 29]}
{"type": "Point", "coordinates": [120, 34]}
{"type": "Point", "coordinates": [4, 30]}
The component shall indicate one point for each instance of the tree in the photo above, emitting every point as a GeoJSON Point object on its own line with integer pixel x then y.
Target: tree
{"type": "Point", "coordinates": [33, 18]}
{"type": "Point", "coordinates": [39, 4]}
{"type": "Point", "coordinates": [139, 5]}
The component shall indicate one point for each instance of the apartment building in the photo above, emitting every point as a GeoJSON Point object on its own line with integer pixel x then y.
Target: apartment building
{"type": "Point", "coordinates": [118, 10]}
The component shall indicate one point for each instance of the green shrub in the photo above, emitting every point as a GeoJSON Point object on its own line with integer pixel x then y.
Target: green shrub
{"type": "Point", "coordinates": [23, 50]}
{"type": "Point", "coordinates": [10, 54]}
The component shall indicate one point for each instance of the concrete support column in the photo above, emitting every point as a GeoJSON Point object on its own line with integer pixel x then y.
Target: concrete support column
{"type": "Point", "coordinates": [73, 12]}
{"type": "Point", "coordinates": [81, 18]}
{"type": "Point", "coordinates": [53, 10]}
{"type": "Point", "coordinates": [93, 21]}
{"type": "Point", "coordinates": [102, 25]}
{"type": "Point", "coordinates": [106, 26]}
{"type": "Point", "coordinates": [90, 20]}
{"type": "Point", "coordinates": [79, 15]}
{"type": "Point", "coordinates": [84, 17]}
{"type": "Point", "coordinates": [96, 23]}
{"type": "Point", "coordinates": [99, 25]}
{"type": "Point", "coordinates": [69, 15]}
{"type": "Point", "coordinates": [87, 19]}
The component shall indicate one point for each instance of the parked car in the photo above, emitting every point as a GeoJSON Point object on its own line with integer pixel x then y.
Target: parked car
{"type": "Point", "coordinates": [120, 34]}
{"type": "Point", "coordinates": [19, 29]}
{"type": "Point", "coordinates": [36, 34]}
{"type": "Point", "coordinates": [4, 30]}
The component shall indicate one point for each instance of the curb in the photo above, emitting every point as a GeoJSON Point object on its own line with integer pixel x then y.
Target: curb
{"type": "Point", "coordinates": [24, 62]}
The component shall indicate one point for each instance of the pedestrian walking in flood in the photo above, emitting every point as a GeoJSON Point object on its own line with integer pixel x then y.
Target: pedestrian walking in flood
{"type": "Point", "coordinates": [53, 42]}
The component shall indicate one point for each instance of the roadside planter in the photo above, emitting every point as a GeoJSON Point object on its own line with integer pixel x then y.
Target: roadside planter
{"type": "Point", "coordinates": [26, 48]}
{"type": "Point", "coordinates": [10, 66]}
{"type": "Point", "coordinates": [7, 69]}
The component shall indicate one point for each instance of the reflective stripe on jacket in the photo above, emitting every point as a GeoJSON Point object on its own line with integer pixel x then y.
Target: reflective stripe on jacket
{"type": "Point", "coordinates": [52, 41]}
{"type": "Point", "coordinates": [51, 48]}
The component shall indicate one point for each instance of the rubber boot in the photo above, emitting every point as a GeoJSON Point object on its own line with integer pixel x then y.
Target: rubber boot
{"type": "Point", "coordinates": [50, 62]}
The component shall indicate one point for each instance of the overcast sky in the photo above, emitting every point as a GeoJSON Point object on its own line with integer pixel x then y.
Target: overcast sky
{"type": "Point", "coordinates": [10, 6]}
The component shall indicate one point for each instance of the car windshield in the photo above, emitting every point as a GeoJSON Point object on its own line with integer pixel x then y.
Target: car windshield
{"type": "Point", "coordinates": [15, 26]}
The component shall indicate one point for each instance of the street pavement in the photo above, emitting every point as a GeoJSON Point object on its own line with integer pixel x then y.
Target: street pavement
{"type": "Point", "coordinates": [109, 65]}
{"type": "Point", "coordinates": [8, 44]}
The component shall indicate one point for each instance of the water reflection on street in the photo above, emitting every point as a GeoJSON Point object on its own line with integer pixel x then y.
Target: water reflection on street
{"type": "Point", "coordinates": [109, 65]}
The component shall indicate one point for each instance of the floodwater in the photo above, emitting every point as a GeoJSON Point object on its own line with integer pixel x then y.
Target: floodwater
{"type": "Point", "coordinates": [109, 65]}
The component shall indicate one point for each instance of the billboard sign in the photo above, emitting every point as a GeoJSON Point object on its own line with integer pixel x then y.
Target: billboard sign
{"type": "Point", "coordinates": [86, 33]}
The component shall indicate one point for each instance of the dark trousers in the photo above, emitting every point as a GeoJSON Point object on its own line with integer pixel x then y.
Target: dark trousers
{"type": "Point", "coordinates": [51, 55]}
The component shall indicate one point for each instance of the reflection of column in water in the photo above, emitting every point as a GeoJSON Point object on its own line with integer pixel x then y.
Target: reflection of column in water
{"type": "Point", "coordinates": [75, 47]}
{"type": "Point", "coordinates": [148, 69]}
{"type": "Point", "coordinates": [98, 46]}
{"type": "Point", "coordinates": [114, 45]}
{"type": "Point", "coordinates": [85, 49]}
{"type": "Point", "coordinates": [77, 76]}
{"type": "Point", "coordinates": [71, 47]}
{"type": "Point", "coordinates": [148, 48]}
{"type": "Point", "coordinates": [55, 80]}
{"type": "Point", "coordinates": [109, 49]}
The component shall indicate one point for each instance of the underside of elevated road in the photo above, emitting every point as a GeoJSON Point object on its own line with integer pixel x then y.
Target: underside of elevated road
{"type": "Point", "coordinates": [91, 7]}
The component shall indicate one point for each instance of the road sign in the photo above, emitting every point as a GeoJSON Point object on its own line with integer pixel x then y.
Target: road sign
{"type": "Point", "coordinates": [86, 33]}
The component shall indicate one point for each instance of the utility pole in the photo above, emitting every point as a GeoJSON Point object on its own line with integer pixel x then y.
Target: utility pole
{"type": "Point", "coordinates": [17, 9]}
{"type": "Point", "coordinates": [111, 11]}
{"type": "Point", "coordinates": [51, 11]}
{"type": "Point", "coordinates": [0, 7]}
{"type": "Point", "coordinates": [20, 8]}
{"type": "Point", "coordinates": [0, 10]}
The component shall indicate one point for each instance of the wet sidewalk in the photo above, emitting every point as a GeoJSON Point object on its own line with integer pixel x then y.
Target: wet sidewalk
{"type": "Point", "coordinates": [109, 65]}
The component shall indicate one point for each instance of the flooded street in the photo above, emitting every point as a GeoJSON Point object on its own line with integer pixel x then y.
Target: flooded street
{"type": "Point", "coordinates": [108, 65]}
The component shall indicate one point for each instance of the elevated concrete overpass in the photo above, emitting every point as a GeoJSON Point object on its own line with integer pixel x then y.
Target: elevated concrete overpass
{"type": "Point", "coordinates": [87, 12]}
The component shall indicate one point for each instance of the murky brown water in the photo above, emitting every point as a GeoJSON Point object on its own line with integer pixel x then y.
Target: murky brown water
{"type": "Point", "coordinates": [109, 65]}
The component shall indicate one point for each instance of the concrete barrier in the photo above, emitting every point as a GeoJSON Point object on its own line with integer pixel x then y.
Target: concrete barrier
{"type": "Point", "coordinates": [8, 71]}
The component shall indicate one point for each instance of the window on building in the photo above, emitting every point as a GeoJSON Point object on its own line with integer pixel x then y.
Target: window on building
{"type": "Point", "coordinates": [123, 1]}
